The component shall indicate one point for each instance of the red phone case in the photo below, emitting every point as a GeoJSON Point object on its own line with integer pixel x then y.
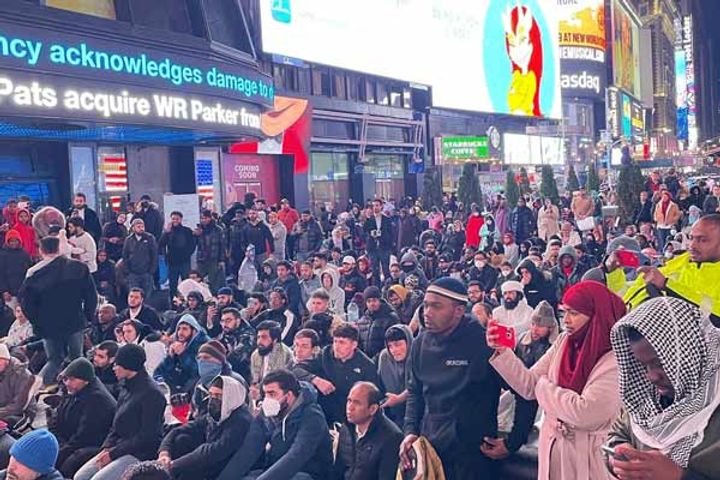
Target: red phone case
{"type": "Point", "coordinates": [627, 258]}
{"type": "Point", "coordinates": [506, 334]}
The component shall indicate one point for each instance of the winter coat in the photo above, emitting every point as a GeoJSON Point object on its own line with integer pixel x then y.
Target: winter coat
{"type": "Point", "coordinates": [177, 245]}
{"type": "Point", "coordinates": [372, 327]}
{"type": "Point", "coordinates": [575, 425]}
{"type": "Point", "coordinates": [453, 244]}
{"type": "Point", "coordinates": [280, 357]}
{"type": "Point", "coordinates": [502, 220]}
{"type": "Point", "coordinates": [519, 318]}
{"type": "Point", "coordinates": [308, 236]}
{"type": "Point", "coordinates": [540, 287]}
{"type": "Point", "coordinates": [582, 207]}
{"type": "Point", "coordinates": [341, 374]}
{"type": "Point", "coordinates": [15, 383]}
{"type": "Point", "coordinates": [180, 372]}
{"type": "Point", "coordinates": [288, 217]}
{"type": "Point", "coordinates": [260, 236]}
{"type": "Point", "coordinates": [408, 231]}
{"type": "Point", "coordinates": [147, 315]}
{"type": "Point", "coordinates": [449, 383]}
{"type": "Point", "coordinates": [153, 220]}
{"type": "Point", "coordinates": [711, 204]}
{"type": "Point", "coordinates": [670, 218]}
{"type": "Point", "coordinates": [410, 257]}
{"type": "Point", "coordinates": [372, 457]}
{"type": "Point", "coordinates": [82, 420]}
{"type": "Point", "coordinates": [298, 442]}
{"type": "Point", "coordinates": [211, 244]}
{"type": "Point", "coordinates": [114, 230]}
{"type": "Point", "coordinates": [385, 241]}
{"type": "Point", "coordinates": [487, 277]}
{"type": "Point", "coordinates": [138, 424]}
{"type": "Point", "coordinates": [644, 213]}
{"type": "Point", "coordinates": [472, 230]}
{"type": "Point", "coordinates": [279, 235]}
{"type": "Point", "coordinates": [27, 238]}
{"type": "Point", "coordinates": [337, 294]}
{"type": "Point", "coordinates": [58, 297]}
{"type": "Point", "coordinates": [240, 344]}
{"type": "Point", "coordinates": [522, 222]}
{"type": "Point", "coordinates": [292, 290]}
{"type": "Point", "coordinates": [140, 256]}
{"type": "Point", "coordinates": [14, 264]}
{"type": "Point", "coordinates": [548, 222]}
{"type": "Point", "coordinates": [210, 443]}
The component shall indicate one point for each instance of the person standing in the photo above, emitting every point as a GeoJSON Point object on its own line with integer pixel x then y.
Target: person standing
{"type": "Point", "coordinates": [289, 217]}
{"type": "Point", "coordinates": [211, 251]}
{"type": "Point", "coordinates": [258, 234]}
{"type": "Point", "coordinates": [140, 257]}
{"type": "Point", "coordinates": [378, 230]}
{"type": "Point", "coordinates": [14, 264]}
{"type": "Point", "coordinates": [522, 221]}
{"type": "Point", "coordinates": [667, 215]}
{"type": "Point", "coordinates": [308, 236]}
{"type": "Point", "coordinates": [82, 245]}
{"type": "Point", "coordinates": [178, 244]}
{"type": "Point", "coordinates": [575, 383]}
{"type": "Point", "coordinates": [81, 209]}
{"type": "Point", "coordinates": [449, 383]}
{"type": "Point", "coordinates": [59, 298]}
{"type": "Point", "coordinates": [548, 223]}
{"type": "Point", "coordinates": [279, 234]}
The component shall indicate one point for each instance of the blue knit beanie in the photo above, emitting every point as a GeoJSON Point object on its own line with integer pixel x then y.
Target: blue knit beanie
{"type": "Point", "coordinates": [37, 450]}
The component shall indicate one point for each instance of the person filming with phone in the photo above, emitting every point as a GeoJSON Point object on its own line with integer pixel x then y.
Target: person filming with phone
{"type": "Point", "coordinates": [574, 382]}
{"type": "Point", "coordinates": [693, 276]}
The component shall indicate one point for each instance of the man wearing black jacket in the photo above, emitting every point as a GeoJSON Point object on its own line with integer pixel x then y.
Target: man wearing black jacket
{"type": "Point", "coordinates": [92, 222]}
{"type": "Point", "coordinates": [644, 212]}
{"type": "Point", "coordinates": [178, 244]}
{"type": "Point", "coordinates": [137, 427]}
{"type": "Point", "coordinates": [379, 232]}
{"type": "Point", "coordinates": [211, 251]}
{"type": "Point", "coordinates": [368, 444]}
{"type": "Point", "coordinates": [202, 447]}
{"type": "Point", "coordinates": [104, 328]}
{"type": "Point", "coordinates": [137, 310]}
{"type": "Point", "coordinates": [336, 370]}
{"type": "Point", "coordinates": [450, 381]}
{"type": "Point", "coordinates": [483, 272]}
{"type": "Point", "coordinates": [83, 417]}
{"type": "Point", "coordinates": [257, 233]}
{"type": "Point", "coordinates": [59, 299]}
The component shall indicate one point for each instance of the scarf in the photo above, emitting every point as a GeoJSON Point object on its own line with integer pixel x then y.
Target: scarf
{"type": "Point", "coordinates": [586, 346]}
{"type": "Point", "coordinates": [688, 347]}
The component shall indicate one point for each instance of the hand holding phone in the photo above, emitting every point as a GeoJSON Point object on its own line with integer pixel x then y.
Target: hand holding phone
{"type": "Point", "coordinates": [500, 335]}
{"type": "Point", "coordinates": [627, 258]}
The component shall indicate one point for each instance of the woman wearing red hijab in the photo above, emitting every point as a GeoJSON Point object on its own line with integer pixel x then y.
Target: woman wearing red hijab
{"type": "Point", "coordinates": [575, 383]}
{"type": "Point", "coordinates": [27, 233]}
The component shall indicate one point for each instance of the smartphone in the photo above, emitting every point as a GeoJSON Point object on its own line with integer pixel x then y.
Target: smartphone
{"type": "Point", "coordinates": [627, 258]}
{"type": "Point", "coordinates": [507, 334]}
{"type": "Point", "coordinates": [611, 453]}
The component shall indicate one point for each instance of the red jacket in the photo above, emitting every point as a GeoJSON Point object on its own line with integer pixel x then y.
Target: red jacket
{"type": "Point", "coordinates": [472, 230]}
{"type": "Point", "coordinates": [27, 236]}
{"type": "Point", "coordinates": [289, 218]}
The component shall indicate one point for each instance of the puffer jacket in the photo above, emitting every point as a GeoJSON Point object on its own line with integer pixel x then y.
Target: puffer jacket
{"type": "Point", "coordinates": [180, 372]}
{"type": "Point", "coordinates": [372, 327]}
{"type": "Point", "coordinates": [211, 244]}
{"type": "Point", "coordinates": [140, 256]}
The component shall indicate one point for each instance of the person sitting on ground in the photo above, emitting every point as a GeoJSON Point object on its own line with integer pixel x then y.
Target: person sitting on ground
{"type": "Point", "coordinates": [134, 332]}
{"type": "Point", "coordinates": [15, 383]}
{"type": "Point", "coordinates": [33, 457]}
{"type": "Point", "coordinates": [103, 360]}
{"type": "Point", "coordinates": [137, 427]}
{"type": "Point", "coordinates": [322, 319]}
{"type": "Point", "coordinates": [668, 355]}
{"type": "Point", "coordinates": [140, 311]}
{"type": "Point", "coordinates": [83, 417]}
{"type": "Point", "coordinates": [369, 431]}
{"type": "Point", "coordinates": [392, 370]}
{"type": "Point", "coordinates": [104, 328]}
{"type": "Point", "coordinates": [514, 311]}
{"type": "Point", "coordinates": [212, 362]}
{"type": "Point", "coordinates": [337, 369]}
{"type": "Point", "coordinates": [290, 430]}
{"type": "Point", "coordinates": [20, 331]}
{"type": "Point", "coordinates": [238, 337]}
{"type": "Point", "coordinates": [211, 320]}
{"type": "Point", "coordinates": [147, 471]}
{"type": "Point", "coordinates": [202, 447]}
{"type": "Point", "coordinates": [180, 369]}
{"type": "Point", "coordinates": [306, 345]}
{"type": "Point", "coordinates": [271, 354]}
{"type": "Point", "coordinates": [280, 312]}
{"type": "Point", "coordinates": [378, 317]}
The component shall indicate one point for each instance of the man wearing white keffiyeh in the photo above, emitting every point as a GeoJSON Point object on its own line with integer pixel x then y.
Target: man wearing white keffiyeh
{"type": "Point", "coordinates": [668, 355]}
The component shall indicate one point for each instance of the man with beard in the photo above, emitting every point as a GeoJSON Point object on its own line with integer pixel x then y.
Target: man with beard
{"type": "Point", "coordinates": [211, 250]}
{"type": "Point", "coordinates": [567, 272]}
{"type": "Point", "coordinates": [180, 368]}
{"type": "Point", "coordinates": [104, 329]}
{"type": "Point", "coordinates": [429, 263]}
{"type": "Point", "coordinates": [399, 298]}
{"type": "Point", "coordinates": [225, 299]}
{"type": "Point", "coordinates": [137, 310]}
{"type": "Point", "coordinates": [33, 457]}
{"type": "Point", "coordinates": [103, 360]}
{"type": "Point", "coordinates": [279, 312]}
{"type": "Point", "coordinates": [449, 383]}
{"type": "Point", "coordinates": [271, 354]}
{"type": "Point", "coordinates": [514, 311]}
{"type": "Point", "coordinates": [140, 257]}
{"type": "Point", "coordinates": [239, 340]}
{"type": "Point", "coordinates": [178, 244]}
{"type": "Point", "coordinates": [92, 223]}
{"type": "Point", "coordinates": [308, 236]}
{"type": "Point", "coordinates": [351, 281]}
{"type": "Point", "coordinates": [309, 282]}
{"type": "Point", "coordinates": [668, 356]}
{"type": "Point", "coordinates": [257, 233]}
{"type": "Point", "coordinates": [475, 293]}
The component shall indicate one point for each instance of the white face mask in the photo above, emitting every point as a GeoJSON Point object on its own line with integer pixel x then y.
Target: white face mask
{"type": "Point", "coordinates": [270, 407]}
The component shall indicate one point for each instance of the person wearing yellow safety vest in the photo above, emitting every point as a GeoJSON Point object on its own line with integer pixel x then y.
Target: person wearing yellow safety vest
{"type": "Point", "coordinates": [610, 272]}
{"type": "Point", "coordinates": [693, 276]}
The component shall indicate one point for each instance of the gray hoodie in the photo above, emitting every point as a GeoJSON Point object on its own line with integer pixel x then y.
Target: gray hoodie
{"type": "Point", "coordinates": [393, 373]}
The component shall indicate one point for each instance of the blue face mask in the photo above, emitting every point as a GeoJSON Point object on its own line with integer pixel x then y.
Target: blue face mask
{"type": "Point", "coordinates": [208, 370]}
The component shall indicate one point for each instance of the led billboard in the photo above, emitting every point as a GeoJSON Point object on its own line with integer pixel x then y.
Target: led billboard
{"type": "Point", "coordinates": [522, 149]}
{"type": "Point", "coordinates": [449, 45]}
{"type": "Point", "coordinates": [625, 50]}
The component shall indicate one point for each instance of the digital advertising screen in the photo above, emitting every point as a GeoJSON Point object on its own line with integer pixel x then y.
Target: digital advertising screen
{"type": "Point", "coordinates": [498, 56]}
{"type": "Point", "coordinates": [626, 50]}
{"type": "Point", "coordinates": [520, 149]}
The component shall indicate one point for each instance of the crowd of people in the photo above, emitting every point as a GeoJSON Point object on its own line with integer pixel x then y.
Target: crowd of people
{"type": "Point", "coordinates": [357, 344]}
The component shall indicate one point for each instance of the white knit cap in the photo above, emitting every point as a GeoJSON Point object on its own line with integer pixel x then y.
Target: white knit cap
{"type": "Point", "coordinates": [511, 286]}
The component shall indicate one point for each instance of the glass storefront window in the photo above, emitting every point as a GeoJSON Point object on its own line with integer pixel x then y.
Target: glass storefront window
{"type": "Point", "coordinates": [97, 8]}
{"type": "Point", "coordinates": [329, 179]}
{"type": "Point", "coordinates": [112, 177]}
{"type": "Point", "coordinates": [389, 172]}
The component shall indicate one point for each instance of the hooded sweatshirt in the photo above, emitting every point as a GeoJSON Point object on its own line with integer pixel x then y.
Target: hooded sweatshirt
{"type": "Point", "coordinates": [211, 443]}
{"type": "Point", "coordinates": [392, 374]}
{"type": "Point", "coordinates": [406, 259]}
{"type": "Point", "coordinates": [372, 327]}
{"type": "Point", "coordinates": [180, 372]}
{"type": "Point", "coordinates": [337, 294]}
{"type": "Point", "coordinates": [14, 264]}
{"type": "Point", "coordinates": [539, 288]}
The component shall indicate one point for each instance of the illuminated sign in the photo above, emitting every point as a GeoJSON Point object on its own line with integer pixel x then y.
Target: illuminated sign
{"type": "Point", "coordinates": [464, 148]}
{"type": "Point", "coordinates": [613, 112]}
{"type": "Point", "coordinates": [626, 50]}
{"type": "Point", "coordinates": [582, 30]}
{"type": "Point", "coordinates": [519, 149]}
{"type": "Point", "coordinates": [688, 48]}
{"type": "Point", "coordinates": [625, 116]}
{"type": "Point", "coordinates": [92, 101]}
